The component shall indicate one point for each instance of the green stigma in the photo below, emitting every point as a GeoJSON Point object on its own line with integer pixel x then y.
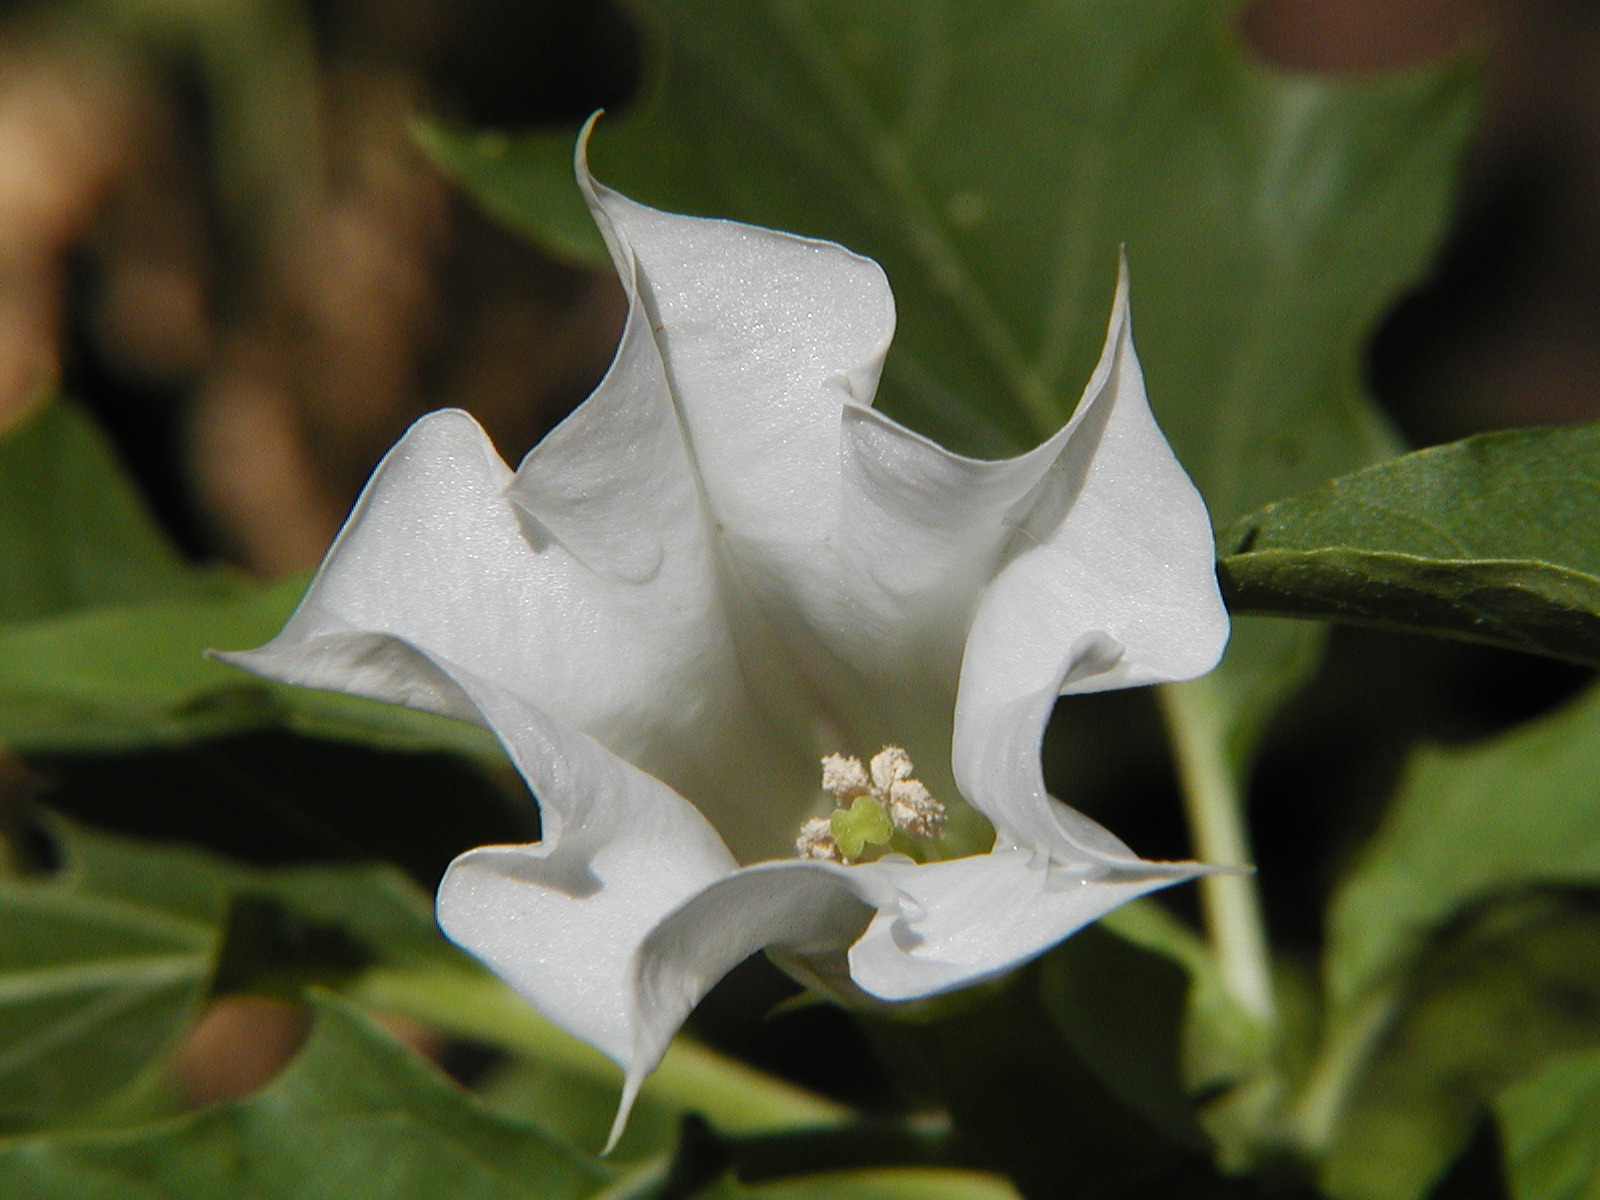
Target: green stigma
{"type": "Point", "coordinates": [865, 823]}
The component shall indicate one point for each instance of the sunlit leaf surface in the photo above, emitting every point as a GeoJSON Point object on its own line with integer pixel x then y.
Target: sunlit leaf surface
{"type": "Point", "coordinates": [1490, 539]}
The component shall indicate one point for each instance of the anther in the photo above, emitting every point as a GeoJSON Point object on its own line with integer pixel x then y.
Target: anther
{"type": "Point", "coordinates": [914, 810]}
{"type": "Point", "coordinates": [816, 840]}
{"type": "Point", "coordinates": [844, 778]}
{"type": "Point", "coordinates": [889, 766]}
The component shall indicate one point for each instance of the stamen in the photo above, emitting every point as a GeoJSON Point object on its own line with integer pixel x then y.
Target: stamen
{"type": "Point", "coordinates": [889, 766]}
{"type": "Point", "coordinates": [914, 810]}
{"type": "Point", "coordinates": [844, 778]}
{"type": "Point", "coordinates": [874, 807]}
{"type": "Point", "coordinates": [816, 840]}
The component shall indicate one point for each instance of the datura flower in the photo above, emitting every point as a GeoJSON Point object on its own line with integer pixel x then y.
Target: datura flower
{"type": "Point", "coordinates": [726, 574]}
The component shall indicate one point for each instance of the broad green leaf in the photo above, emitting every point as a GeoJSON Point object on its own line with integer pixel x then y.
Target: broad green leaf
{"type": "Point", "coordinates": [1135, 1049]}
{"type": "Point", "coordinates": [364, 929]}
{"type": "Point", "coordinates": [97, 984]}
{"type": "Point", "coordinates": [1468, 827]}
{"type": "Point", "coordinates": [132, 676]}
{"type": "Point", "coordinates": [105, 963]}
{"type": "Point", "coordinates": [1227, 1064]}
{"type": "Point", "coordinates": [1009, 1063]}
{"type": "Point", "coordinates": [73, 531]}
{"type": "Point", "coordinates": [1550, 1127]}
{"type": "Point", "coordinates": [1512, 987]}
{"type": "Point", "coordinates": [1490, 539]}
{"type": "Point", "coordinates": [1521, 810]}
{"type": "Point", "coordinates": [271, 798]}
{"type": "Point", "coordinates": [386, 916]}
{"type": "Point", "coordinates": [103, 627]}
{"type": "Point", "coordinates": [993, 157]}
{"type": "Point", "coordinates": [356, 1115]}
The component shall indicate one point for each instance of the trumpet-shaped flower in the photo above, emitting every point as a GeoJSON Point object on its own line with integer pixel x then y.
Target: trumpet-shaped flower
{"type": "Point", "coordinates": [722, 567]}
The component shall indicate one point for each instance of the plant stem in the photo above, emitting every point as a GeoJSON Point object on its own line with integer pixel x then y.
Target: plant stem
{"type": "Point", "coordinates": [1231, 904]}
{"type": "Point", "coordinates": [1314, 1120]}
{"type": "Point", "coordinates": [475, 1005]}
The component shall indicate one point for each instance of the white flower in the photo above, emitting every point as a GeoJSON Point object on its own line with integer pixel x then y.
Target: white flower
{"type": "Point", "coordinates": [726, 564]}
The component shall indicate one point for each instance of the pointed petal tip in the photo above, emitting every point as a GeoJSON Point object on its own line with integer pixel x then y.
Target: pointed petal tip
{"type": "Point", "coordinates": [630, 1094]}
{"type": "Point", "coordinates": [1179, 870]}
{"type": "Point", "coordinates": [245, 660]}
{"type": "Point", "coordinates": [580, 150]}
{"type": "Point", "coordinates": [257, 660]}
{"type": "Point", "coordinates": [1121, 322]}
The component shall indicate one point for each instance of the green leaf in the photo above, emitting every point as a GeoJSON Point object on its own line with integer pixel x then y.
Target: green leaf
{"type": "Point", "coordinates": [1008, 1063]}
{"type": "Point", "coordinates": [1520, 810]}
{"type": "Point", "coordinates": [104, 628]}
{"type": "Point", "coordinates": [1550, 1127]}
{"type": "Point", "coordinates": [383, 912]}
{"type": "Point", "coordinates": [1222, 1044]}
{"type": "Point", "coordinates": [272, 798]}
{"type": "Point", "coordinates": [99, 978]}
{"type": "Point", "coordinates": [1088, 986]}
{"type": "Point", "coordinates": [105, 963]}
{"type": "Point", "coordinates": [136, 675]}
{"type": "Point", "coordinates": [1468, 827]}
{"type": "Point", "coordinates": [1268, 219]}
{"type": "Point", "coordinates": [1486, 539]}
{"type": "Point", "coordinates": [73, 531]}
{"type": "Point", "coordinates": [356, 1115]}
{"type": "Point", "coordinates": [1512, 986]}
{"type": "Point", "coordinates": [364, 929]}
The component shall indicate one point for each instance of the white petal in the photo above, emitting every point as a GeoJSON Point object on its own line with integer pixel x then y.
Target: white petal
{"type": "Point", "coordinates": [812, 908]}
{"type": "Point", "coordinates": [401, 567]}
{"type": "Point", "coordinates": [972, 918]}
{"type": "Point", "coordinates": [765, 337]}
{"type": "Point", "coordinates": [562, 919]}
{"type": "Point", "coordinates": [885, 618]}
{"type": "Point", "coordinates": [592, 593]}
{"type": "Point", "coordinates": [1108, 582]}
{"type": "Point", "coordinates": [919, 521]}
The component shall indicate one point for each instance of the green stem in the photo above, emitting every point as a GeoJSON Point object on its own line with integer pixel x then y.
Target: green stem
{"type": "Point", "coordinates": [1230, 904]}
{"type": "Point", "coordinates": [474, 1005]}
{"type": "Point", "coordinates": [1314, 1121]}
